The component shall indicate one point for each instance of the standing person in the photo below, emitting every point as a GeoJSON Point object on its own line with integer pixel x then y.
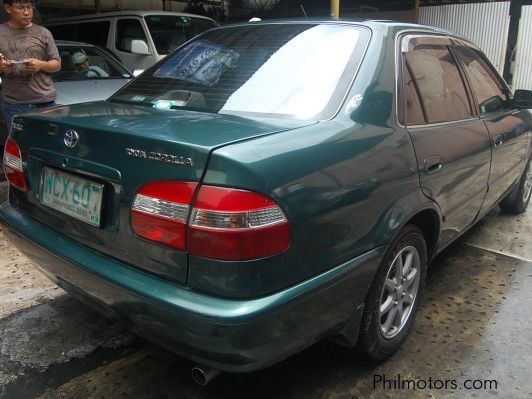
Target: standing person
{"type": "Point", "coordinates": [29, 56]}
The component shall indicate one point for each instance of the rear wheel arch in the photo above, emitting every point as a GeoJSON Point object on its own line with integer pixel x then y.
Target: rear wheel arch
{"type": "Point", "coordinates": [427, 218]}
{"type": "Point", "coordinates": [516, 202]}
{"type": "Point", "coordinates": [428, 221]}
{"type": "Point", "coordinates": [394, 296]}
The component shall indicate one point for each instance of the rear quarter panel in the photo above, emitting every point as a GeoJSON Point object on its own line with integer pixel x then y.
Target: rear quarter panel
{"type": "Point", "coordinates": [345, 188]}
{"type": "Point", "coordinates": [347, 185]}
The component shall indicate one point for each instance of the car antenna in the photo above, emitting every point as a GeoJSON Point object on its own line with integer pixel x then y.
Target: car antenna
{"type": "Point", "coordinates": [303, 9]}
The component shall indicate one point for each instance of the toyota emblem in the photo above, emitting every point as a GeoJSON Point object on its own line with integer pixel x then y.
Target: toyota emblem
{"type": "Point", "coordinates": [71, 138]}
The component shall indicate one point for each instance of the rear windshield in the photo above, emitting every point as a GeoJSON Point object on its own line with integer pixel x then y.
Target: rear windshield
{"type": "Point", "coordinates": [283, 70]}
{"type": "Point", "coordinates": [169, 32]}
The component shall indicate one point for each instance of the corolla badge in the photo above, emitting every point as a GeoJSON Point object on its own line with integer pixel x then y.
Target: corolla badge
{"type": "Point", "coordinates": [160, 157]}
{"type": "Point", "coordinates": [71, 138]}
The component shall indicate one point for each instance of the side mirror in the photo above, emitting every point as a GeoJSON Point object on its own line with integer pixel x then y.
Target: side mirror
{"type": "Point", "coordinates": [522, 99]}
{"type": "Point", "coordinates": [492, 104]}
{"type": "Point", "coordinates": [139, 47]}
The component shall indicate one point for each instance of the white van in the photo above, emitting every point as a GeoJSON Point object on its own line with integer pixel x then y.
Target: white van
{"type": "Point", "coordinates": [138, 38]}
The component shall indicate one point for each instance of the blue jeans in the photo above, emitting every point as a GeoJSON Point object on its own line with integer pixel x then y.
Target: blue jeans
{"type": "Point", "coordinates": [10, 110]}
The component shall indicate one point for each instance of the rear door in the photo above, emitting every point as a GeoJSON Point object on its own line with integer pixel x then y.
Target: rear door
{"type": "Point", "coordinates": [451, 143]}
{"type": "Point", "coordinates": [506, 126]}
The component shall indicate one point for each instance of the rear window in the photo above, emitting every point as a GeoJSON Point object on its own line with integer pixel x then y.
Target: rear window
{"type": "Point", "coordinates": [295, 70]}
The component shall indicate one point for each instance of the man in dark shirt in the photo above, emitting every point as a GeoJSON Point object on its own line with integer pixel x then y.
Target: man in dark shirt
{"type": "Point", "coordinates": [29, 56]}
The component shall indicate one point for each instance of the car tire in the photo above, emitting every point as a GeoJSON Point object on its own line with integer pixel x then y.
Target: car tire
{"type": "Point", "coordinates": [394, 296]}
{"type": "Point", "coordinates": [517, 201]}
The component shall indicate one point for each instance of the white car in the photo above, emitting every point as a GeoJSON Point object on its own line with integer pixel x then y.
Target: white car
{"type": "Point", "coordinates": [105, 75]}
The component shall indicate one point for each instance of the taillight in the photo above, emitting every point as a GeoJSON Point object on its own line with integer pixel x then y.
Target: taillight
{"type": "Point", "coordinates": [224, 223]}
{"type": "Point", "coordinates": [13, 165]}
{"type": "Point", "coordinates": [231, 224]}
{"type": "Point", "coordinates": [160, 212]}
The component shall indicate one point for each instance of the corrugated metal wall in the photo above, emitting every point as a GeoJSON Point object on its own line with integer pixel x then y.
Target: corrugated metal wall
{"type": "Point", "coordinates": [485, 24]}
{"type": "Point", "coordinates": [523, 56]}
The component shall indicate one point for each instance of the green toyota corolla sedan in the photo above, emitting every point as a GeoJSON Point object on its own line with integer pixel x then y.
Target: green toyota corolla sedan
{"type": "Point", "coordinates": [269, 185]}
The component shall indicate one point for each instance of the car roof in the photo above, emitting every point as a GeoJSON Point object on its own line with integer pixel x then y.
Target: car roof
{"type": "Point", "coordinates": [127, 13]}
{"type": "Point", "coordinates": [377, 24]}
{"type": "Point", "coordinates": [370, 23]}
{"type": "Point", "coordinates": [355, 21]}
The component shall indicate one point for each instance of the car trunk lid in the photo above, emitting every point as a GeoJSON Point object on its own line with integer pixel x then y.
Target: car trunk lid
{"type": "Point", "coordinates": [111, 150]}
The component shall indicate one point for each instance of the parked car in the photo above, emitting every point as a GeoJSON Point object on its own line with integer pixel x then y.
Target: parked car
{"type": "Point", "coordinates": [104, 75]}
{"type": "Point", "coordinates": [269, 185]}
{"type": "Point", "coordinates": [139, 38]}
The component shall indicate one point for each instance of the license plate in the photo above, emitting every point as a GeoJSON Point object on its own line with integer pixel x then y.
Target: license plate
{"type": "Point", "coordinates": [72, 195]}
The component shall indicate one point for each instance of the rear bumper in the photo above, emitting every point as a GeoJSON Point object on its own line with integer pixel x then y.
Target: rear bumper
{"type": "Point", "coordinates": [230, 335]}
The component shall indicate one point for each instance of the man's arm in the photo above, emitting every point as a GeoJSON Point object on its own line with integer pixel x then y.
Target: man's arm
{"type": "Point", "coordinates": [33, 65]}
{"type": "Point", "coordinates": [53, 63]}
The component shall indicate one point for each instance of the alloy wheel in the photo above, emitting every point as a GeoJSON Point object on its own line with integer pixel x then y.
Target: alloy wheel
{"type": "Point", "coordinates": [399, 292]}
{"type": "Point", "coordinates": [528, 183]}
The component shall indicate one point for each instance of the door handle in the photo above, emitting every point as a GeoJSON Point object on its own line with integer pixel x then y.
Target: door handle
{"type": "Point", "coordinates": [432, 164]}
{"type": "Point", "coordinates": [497, 140]}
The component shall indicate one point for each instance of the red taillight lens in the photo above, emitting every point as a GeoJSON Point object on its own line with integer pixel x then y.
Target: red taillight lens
{"type": "Point", "coordinates": [230, 224]}
{"type": "Point", "coordinates": [225, 223]}
{"type": "Point", "coordinates": [13, 165]}
{"type": "Point", "coordinates": [160, 211]}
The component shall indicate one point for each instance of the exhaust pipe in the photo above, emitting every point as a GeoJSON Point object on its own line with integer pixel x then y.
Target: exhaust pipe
{"type": "Point", "coordinates": [203, 375]}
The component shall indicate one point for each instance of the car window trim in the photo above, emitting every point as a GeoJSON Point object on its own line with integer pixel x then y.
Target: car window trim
{"type": "Point", "coordinates": [438, 124]}
{"type": "Point", "coordinates": [400, 112]}
{"type": "Point", "coordinates": [437, 39]}
{"type": "Point", "coordinates": [410, 41]}
{"type": "Point", "coordinates": [445, 42]}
